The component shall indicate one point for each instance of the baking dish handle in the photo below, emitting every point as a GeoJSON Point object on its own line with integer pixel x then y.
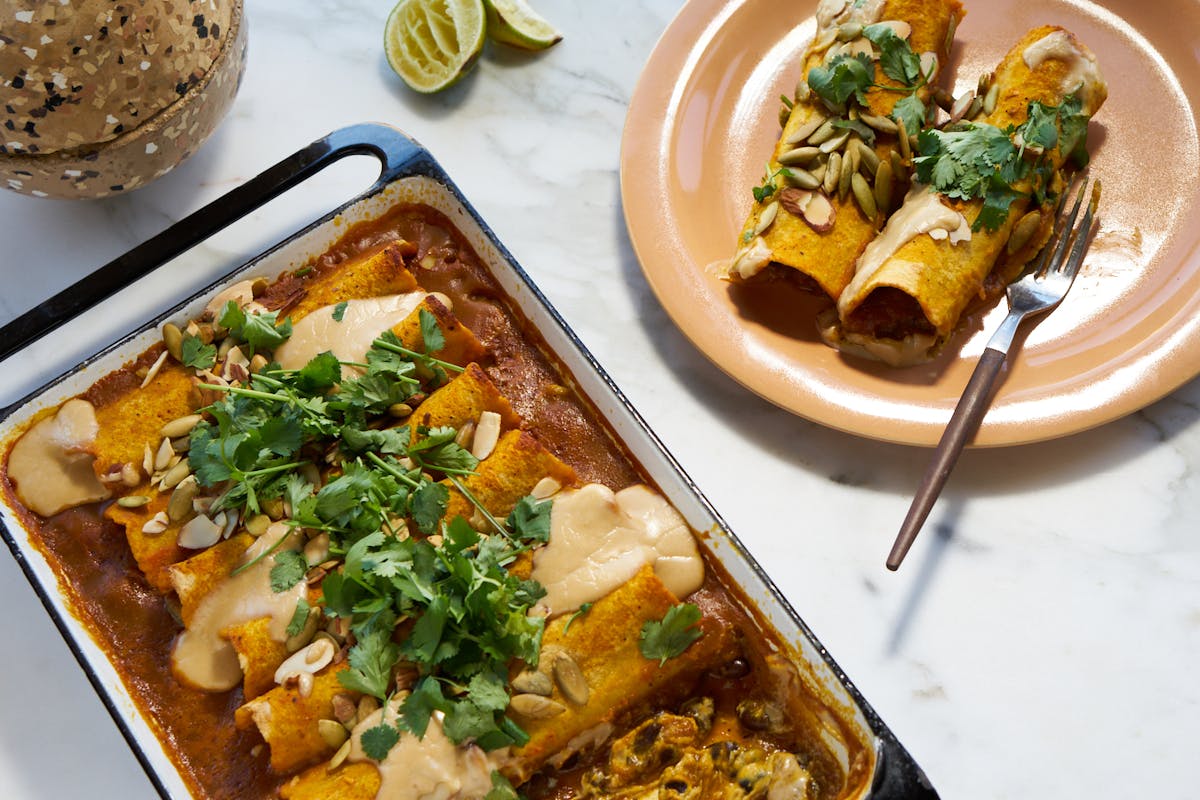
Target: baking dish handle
{"type": "Point", "coordinates": [396, 152]}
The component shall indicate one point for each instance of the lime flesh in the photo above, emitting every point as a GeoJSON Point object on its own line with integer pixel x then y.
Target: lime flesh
{"type": "Point", "coordinates": [432, 43]}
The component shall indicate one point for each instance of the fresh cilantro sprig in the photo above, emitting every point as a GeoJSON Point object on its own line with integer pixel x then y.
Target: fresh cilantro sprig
{"type": "Point", "coordinates": [670, 636]}
{"type": "Point", "coordinates": [196, 354]}
{"type": "Point", "coordinates": [978, 160]}
{"type": "Point", "coordinates": [261, 331]}
{"type": "Point", "coordinates": [844, 81]}
{"type": "Point", "coordinates": [583, 609]}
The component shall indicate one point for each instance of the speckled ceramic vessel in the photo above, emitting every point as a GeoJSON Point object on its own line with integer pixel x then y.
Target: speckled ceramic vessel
{"type": "Point", "coordinates": [99, 97]}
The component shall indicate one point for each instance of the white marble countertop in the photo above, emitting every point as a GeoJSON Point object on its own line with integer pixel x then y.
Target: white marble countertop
{"type": "Point", "coordinates": [1039, 640]}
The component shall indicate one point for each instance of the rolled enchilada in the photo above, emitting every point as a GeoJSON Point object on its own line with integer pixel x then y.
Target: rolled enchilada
{"type": "Point", "coordinates": [810, 220]}
{"type": "Point", "coordinates": [971, 233]}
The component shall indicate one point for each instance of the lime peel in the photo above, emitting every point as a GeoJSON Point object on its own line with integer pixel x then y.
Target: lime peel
{"type": "Point", "coordinates": [514, 23]}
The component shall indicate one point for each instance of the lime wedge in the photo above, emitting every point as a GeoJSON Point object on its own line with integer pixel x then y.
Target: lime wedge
{"type": "Point", "coordinates": [514, 22]}
{"type": "Point", "coordinates": [433, 43]}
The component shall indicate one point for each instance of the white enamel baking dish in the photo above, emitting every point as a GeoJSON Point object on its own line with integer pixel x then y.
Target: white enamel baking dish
{"type": "Point", "coordinates": [409, 174]}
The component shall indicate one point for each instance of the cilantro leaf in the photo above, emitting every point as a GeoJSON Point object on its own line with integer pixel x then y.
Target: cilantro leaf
{"type": "Point", "coordinates": [422, 644]}
{"type": "Point", "coordinates": [379, 740]}
{"type": "Point", "coordinates": [501, 789]}
{"type": "Point", "coordinates": [419, 706]}
{"type": "Point", "coordinates": [431, 332]}
{"type": "Point", "coordinates": [260, 331]}
{"type": "Point", "coordinates": [289, 570]}
{"type": "Point", "coordinates": [429, 502]}
{"type": "Point", "coordinates": [372, 657]}
{"type": "Point", "coordinates": [672, 635]}
{"type": "Point", "coordinates": [339, 311]}
{"type": "Point", "coordinates": [912, 111]}
{"type": "Point", "coordinates": [197, 354]}
{"type": "Point", "coordinates": [896, 56]}
{"type": "Point", "coordinates": [299, 617]}
{"type": "Point", "coordinates": [530, 519]}
{"type": "Point", "coordinates": [320, 374]}
{"type": "Point", "coordinates": [845, 76]}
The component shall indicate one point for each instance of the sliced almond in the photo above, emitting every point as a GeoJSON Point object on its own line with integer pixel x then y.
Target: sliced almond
{"type": "Point", "coordinates": [156, 525]}
{"type": "Point", "coordinates": [961, 106]}
{"type": "Point", "coordinates": [546, 487]}
{"type": "Point", "coordinates": [487, 433]}
{"type": "Point", "coordinates": [162, 459]}
{"type": "Point", "coordinates": [198, 533]}
{"type": "Point", "coordinates": [154, 368]}
{"type": "Point", "coordinates": [819, 213]}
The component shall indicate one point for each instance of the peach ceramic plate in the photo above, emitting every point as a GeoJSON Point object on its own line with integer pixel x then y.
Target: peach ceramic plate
{"type": "Point", "coordinates": [702, 123]}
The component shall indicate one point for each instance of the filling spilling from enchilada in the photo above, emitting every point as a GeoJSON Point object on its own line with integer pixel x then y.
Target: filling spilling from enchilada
{"type": "Point", "coordinates": [839, 165]}
{"type": "Point", "coordinates": [380, 555]}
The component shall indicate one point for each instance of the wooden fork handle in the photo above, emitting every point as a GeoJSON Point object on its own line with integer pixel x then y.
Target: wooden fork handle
{"type": "Point", "coordinates": [963, 424]}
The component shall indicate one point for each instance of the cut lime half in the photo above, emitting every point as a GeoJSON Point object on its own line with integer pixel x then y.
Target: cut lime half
{"type": "Point", "coordinates": [433, 43]}
{"type": "Point", "coordinates": [514, 22]}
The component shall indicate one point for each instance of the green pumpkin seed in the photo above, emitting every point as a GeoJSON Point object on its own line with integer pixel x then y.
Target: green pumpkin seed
{"type": "Point", "coordinates": [805, 130]}
{"type": "Point", "coordinates": [800, 156]}
{"type": "Point", "coordinates": [863, 195]}
{"type": "Point", "coordinates": [883, 187]}
{"type": "Point", "coordinates": [1023, 231]}
{"type": "Point", "coordinates": [824, 133]}
{"type": "Point", "coordinates": [133, 501]}
{"type": "Point", "coordinates": [173, 339]}
{"type": "Point", "coordinates": [801, 179]}
{"type": "Point", "coordinates": [903, 140]}
{"type": "Point", "coordinates": [897, 163]}
{"type": "Point", "coordinates": [881, 124]}
{"type": "Point", "coordinates": [766, 218]}
{"type": "Point", "coordinates": [848, 169]}
{"type": "Point", "coordinates": [833, 172]}
{"type": "Point", "coordinates": [989, 102]}
{"type": "Point", "coordinates": [868, 159]}
{"type": "Point", "coordinates": [836, 143]}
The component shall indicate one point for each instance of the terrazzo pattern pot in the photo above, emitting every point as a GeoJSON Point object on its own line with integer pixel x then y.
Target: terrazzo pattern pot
{"type": "Point", "coordinates": [98, 98]}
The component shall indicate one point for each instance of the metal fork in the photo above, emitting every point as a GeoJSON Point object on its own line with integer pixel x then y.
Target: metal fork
{"type": "Point", "coordinates": [1042, 288]}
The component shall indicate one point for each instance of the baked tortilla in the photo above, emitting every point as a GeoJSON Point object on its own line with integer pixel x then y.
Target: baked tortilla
{"type": "Point", "coordinates": [906, 300]}
{"type": "Point", "coordinates": [790, 248]}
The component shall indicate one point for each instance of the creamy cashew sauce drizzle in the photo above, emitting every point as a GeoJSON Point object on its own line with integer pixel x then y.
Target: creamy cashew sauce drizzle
{"type": "Point", "coordinates": [350, 339]}
{"type": "Point", "coordinates": [600, 539]}
{"type": "Point", "coordinates": [1083, 74]}
{"type": "Point", "coordinates": [51, 465]}
{"type": "Point", "coordinates": [921, 212]}
{"type": "Point", "coordinates": [201, 657]}
{"type": "Point", "coordinates": [429, 768]}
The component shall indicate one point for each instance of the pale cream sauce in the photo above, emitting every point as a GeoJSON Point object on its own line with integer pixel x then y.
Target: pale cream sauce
{"type": "Point", "coordinates": [599, 540]}
{"type": "Point", "coordinates": [921, 212]}
{"type": "Point", "coordinates": [201, 657]}
{"type": "Point", "coordinates": [51, 465]}
{"type": "Point", "coordinates": [1083, 74]}
{"type": "Point", "coordinates": [429, 768]}
{"type": "Point", "coordinates": [349, 339]}
{"type": "Point", "coordinates": [240, 293]}
{"type": "Point", "coordinates": [831, 13]}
